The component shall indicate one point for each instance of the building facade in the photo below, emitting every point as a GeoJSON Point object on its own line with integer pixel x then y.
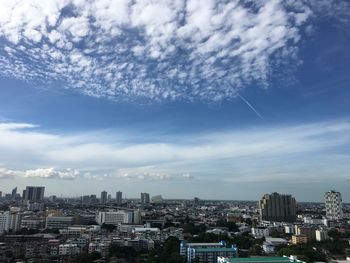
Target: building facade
{"type": "Point", "coordinates": [277, 207]}
{"type": "Point", "coordinates": [333, 202]}
{"type": "Point", "coordinates": [34, 193]}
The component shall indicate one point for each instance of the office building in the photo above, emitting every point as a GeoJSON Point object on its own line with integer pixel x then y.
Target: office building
{"type": "Point", "coordinates": [119, 198]}
{"type": "Point", "coordinates": [277, 207]}
{"type": "Point", "coordinates": [34, 193]}
{"type": "Point", "coordinates": [145, 198]}
{"type": "Point", "coordinates": [333, 202]}
{"type": "Point", "coordinates": [103, 199]}
{"type": "Point", "coordinates": [206, 252]}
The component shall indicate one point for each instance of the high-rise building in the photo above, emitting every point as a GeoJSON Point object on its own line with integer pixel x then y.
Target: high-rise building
{"type": "Point", "coordinates": [333, 202]}
{"type": "Point", "coordinates": [34, 193]}
{"type": "Point", "coordinates": [14, 193]}
{"type": "Point", "coordinates": [103, 199]}
{"type": "Point", "coordinates": [145, 198]}
{"type": "Point", "coordinates": [0, 194]}
{"type": "Point", "coordinates": [119, 198]}
{"type": "Point", "coordinates": [276, 207]}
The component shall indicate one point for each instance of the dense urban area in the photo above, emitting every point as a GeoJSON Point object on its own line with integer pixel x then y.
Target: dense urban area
{"type": "Point", "coordinates": [110, 228]}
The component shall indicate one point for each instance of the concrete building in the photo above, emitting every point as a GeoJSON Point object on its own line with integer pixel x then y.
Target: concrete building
{"type": "Point", "coordinates": [321, 235]}
{"type": "Point", "coordinates": [103, 199]}
{"type": "Point", "coordinates": [260, 232]}
{"type": "Point", "coordinates": [206, 252]}
{"type": "Point", "coordinates": [59, 222]}
{"type": "Point", "coordinates": [68, 249]}
{"type": "Point", "coordinates": [9, 221]}
{"type": "Point", "coordinates": [333, 202]}
{"type": "Point", "coordinates": [145, 198]}
{"type": "Point", "coordinates": [119, 198]}
{"type": "Point", "coordinates": [34, 193]}
{"type": "Point", "coordinates": [277, 207]}
{"type": "Point", "coordinates": [271, 243]}
{"type": "Point", "coordinates": [308, 231]}
{"type": "Point", "coordinates": [115, 218]}
{"type": "Point", "coordinates": [299, 239]}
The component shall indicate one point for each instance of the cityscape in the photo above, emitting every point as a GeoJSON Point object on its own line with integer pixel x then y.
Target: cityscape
{"type": "Point", "coordinates": [110, 228]}
{"type": "Point", "coordinates": [174, 131]}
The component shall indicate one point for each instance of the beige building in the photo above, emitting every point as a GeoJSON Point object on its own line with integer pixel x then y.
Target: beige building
{"type": "Point", "coordinates": [299, 239]}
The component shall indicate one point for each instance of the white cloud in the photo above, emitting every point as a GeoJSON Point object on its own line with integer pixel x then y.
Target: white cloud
{"type": "Point", "coordinates": [24, 150]}
{"type": "Point", "coordinates": [52, 173]}
{"type": "Point", "coordinates": [171, 49]}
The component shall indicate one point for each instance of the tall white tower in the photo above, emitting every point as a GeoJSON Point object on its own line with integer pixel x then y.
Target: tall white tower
{"type": "Point", "coordinates": [333, 202]}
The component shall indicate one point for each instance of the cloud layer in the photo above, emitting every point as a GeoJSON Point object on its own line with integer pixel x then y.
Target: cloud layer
{"type": "Point", "coordinates": [274, 153]}
{"type": "Point", "coordinates": [178, 50]}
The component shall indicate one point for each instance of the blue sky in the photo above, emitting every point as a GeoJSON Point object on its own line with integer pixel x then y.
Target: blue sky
{"type": "Point", "coordinates": [216, 99]}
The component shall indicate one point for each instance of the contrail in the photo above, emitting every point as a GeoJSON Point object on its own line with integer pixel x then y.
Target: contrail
{"type": "Point", "coordinates": [250, 106]}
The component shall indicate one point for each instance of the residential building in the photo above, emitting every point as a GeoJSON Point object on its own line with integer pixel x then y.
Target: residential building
{"type": "Point", "coordinates": [321, 235]}
{"type": "Point", "coordinates": [299, 239]}
{"type": "Point", "coordinates": [259, 232]}
{"type": "Point", "coordinates": [145, 199]}
{"type": "Point", "coordinates": [34, 193]}
{"type": "Point", "coordinates": [308, 231]}
{"type": "Point", "coordinates": [333, 202]}
{"type": "Point", "coordinates": [119, 198]}
{"type": "Point", "coordinates": [277, 207]}
{"type": "Point", "coordinates": [103, 199]}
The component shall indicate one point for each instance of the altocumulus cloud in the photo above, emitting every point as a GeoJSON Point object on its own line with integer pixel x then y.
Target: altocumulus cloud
{"type": "Point", "coordinates": [170, 49]}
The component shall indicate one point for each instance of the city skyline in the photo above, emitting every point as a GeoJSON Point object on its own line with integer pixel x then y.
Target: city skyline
{"type": "Point", "coordinates": [215, 99]}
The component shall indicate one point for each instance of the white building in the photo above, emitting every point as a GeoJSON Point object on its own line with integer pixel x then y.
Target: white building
{"type": "Point", "coordinates": [115, 218]}
{"type": "Point", "coordinates": [68, 249]}
{"type": "Point", "coordinates": [321, 235]}
{"type": "Point", "coordinates": [259, 232]}
{"type": "Point", "coordinates": [9, 221]}
{"type": "Point", "coordinates": [333, 202]}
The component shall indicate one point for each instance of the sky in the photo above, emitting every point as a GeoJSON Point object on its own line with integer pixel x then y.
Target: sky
{"type": "Point", "coordinates": [220, 99]}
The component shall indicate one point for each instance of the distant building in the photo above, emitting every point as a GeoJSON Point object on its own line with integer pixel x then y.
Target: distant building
{"type": "Point", "coordinates": [119, 198]}
{"type": "Point", "coordinates": [14, 193]}
{"type": "Point", "coordinates": [157, 199]}
{"type": "Point", "coordinates": [145, 198]}
{"type": "Point", "coordinates": [103, 199]}
{"type": "Point", "coordinates": [115, 218]}
{"type": "Point", "coordinates": [299, 239]}
{"type": "Point", "coordinates": [277, 207]}
{"type": "Point", "coordinates": [34, 193]}
{"type": "Point", "coordinates": [308, 231]}
{"type": "Point", "coordinates": [0, 194]}
{"type": "Point", "coordinates": [59, 222]}
{"type": "Point", "coordinates": [333, 202]}
{"type": "Point", "coordinates": [206, 252]}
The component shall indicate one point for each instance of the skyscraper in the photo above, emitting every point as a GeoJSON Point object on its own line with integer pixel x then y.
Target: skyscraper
{"type": "Point", "coordinates": [119, 198]}
{"type": "Point", "coordinates": [14, 193]}
{"type": "Point", "coordinates": [103, 197]}
{"type": "Point", "coordinates": [333, 202]}
{"type": "Point", "coordinates": [276, 207]}
{"type": "Point", "coordinates": [145, 198]}
{"type": "Point", "coordinates": [34, 193]}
